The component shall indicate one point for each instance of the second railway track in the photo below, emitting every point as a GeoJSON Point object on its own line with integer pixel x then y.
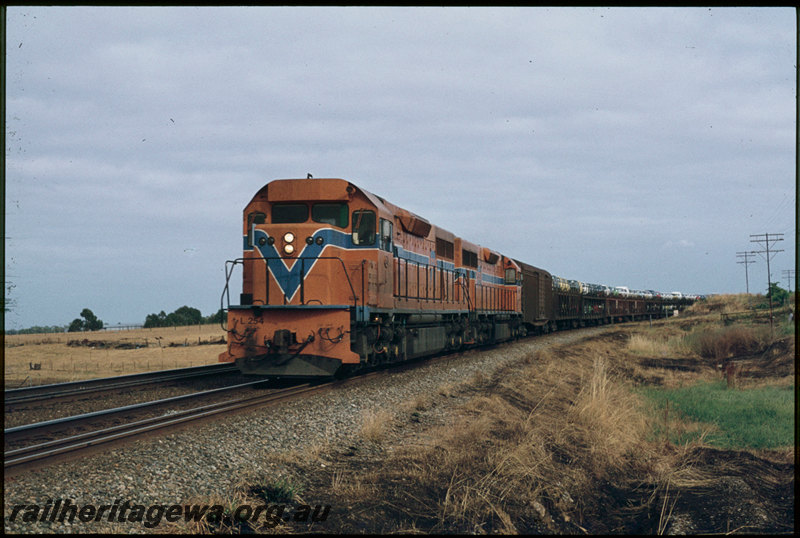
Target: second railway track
{"type": "Point", "coordinates": [78, 443]}
{"type": "Point", "coordinates": [73, 389]}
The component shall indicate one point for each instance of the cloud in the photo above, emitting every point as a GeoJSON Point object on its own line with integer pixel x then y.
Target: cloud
{"type": "Point", "coordinates": [680, 243]}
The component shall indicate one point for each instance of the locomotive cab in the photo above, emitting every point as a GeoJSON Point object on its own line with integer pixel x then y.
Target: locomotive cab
{"type": "Point", "coordinates": [317, 257]}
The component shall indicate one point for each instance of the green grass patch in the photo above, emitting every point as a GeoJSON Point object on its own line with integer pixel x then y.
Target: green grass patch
{"type": "Point", "coordinates": [785, 327]}
{"type": "Point", "coordinates": [281, 490]}
{"type": "Point", "coordinates": [751, 418]}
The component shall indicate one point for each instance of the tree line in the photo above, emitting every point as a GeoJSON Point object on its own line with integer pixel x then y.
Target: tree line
{"type": "Point", "coordinates": [88, 321]}
{"type": "Point", "coordinates": [185, 315]}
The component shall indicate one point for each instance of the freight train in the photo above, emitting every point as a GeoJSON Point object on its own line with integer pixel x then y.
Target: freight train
{"type": "Point", "coordinates": [336, 279]}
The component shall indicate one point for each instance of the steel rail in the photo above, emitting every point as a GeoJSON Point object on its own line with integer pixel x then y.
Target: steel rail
{"type": "Point", "coordinates": [16, 433]}
{"type": "Point", "coordinates": [87, 386]}
{"type": "Point", "coordinates": [19, 458]}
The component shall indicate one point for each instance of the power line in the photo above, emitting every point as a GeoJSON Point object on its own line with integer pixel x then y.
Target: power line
{"type": "Point", "coordinates": [746, 262]}
{"type": "Point", "coordinates": [789, 274]}
{"type": "Point", "coordinates": [764, 240]}
{"type": "Point", "coordinates": [779, 208]}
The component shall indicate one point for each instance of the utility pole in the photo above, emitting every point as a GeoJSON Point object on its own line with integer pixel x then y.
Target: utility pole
{"type": "Point", "coordinates": [789, 275]}
{"type": "Point", "coordinates": [764, 240]}
{"type": "Point", "coordinates": [746, 262]}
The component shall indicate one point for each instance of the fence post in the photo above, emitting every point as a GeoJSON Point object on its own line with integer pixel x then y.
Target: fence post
{"type": "Point", "coordinates": [730, 374]}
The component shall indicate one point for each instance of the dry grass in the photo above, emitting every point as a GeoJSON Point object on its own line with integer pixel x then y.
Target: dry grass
{"type": "Point", "coordinates": [644, 345]}
{"type": "Point", "coordinates": [665, 340]}
{"type": "Point", "coordinates": [153, 349]}
{"type": "Point", "coordinates": [698, 352]}
{"type": "Point", "coordinates": [351, 485]}
{"type": "Point", "coordinates": [448, 390]}
{"type": "Point", "coordinates": [511, 445]}
{"type": "Point", "coordinates": [416, 404]}
{"type": "Point", "coordinates": [724, 304]}
{"type": "Point", "coordinates": [726, 342]}
{"type": "Point", "coordinates": [375, 424]}
{"type": "Point", "coordinates": [167, 335]}
{"type": "Point", "coordinates": [658, 346]}
{"type": "Point", "coordinates": [608, 417]}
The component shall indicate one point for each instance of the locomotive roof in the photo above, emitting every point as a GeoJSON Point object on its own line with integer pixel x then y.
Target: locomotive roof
{"type": "Point", "coordinates": [296, 189]}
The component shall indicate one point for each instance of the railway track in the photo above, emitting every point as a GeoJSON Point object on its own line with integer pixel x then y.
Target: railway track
{"type": "Point", "coordinates": [62, 392]}
{"type": "Point", "coordinates": [35, 445]}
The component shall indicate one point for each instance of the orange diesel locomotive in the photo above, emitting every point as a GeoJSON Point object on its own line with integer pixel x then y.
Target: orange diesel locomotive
{"type": "Point", "coordinates": [336, 278]}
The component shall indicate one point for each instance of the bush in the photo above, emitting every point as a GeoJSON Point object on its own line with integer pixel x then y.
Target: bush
{"type": "Point", "coordinates": [779, 295]}
{"type": "Point", "coordinates": [729, 342]}
{"type": "Point", "coordinates": [281, 490]}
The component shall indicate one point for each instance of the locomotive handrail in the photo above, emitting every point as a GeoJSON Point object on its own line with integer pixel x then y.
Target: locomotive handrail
{"type": "Point", "coordinates": [226, 290]}
{"type": "Point", "coordinates": [231, 264]}
{"type": "Point", "coordinates": [464, 283]}
{"type": "Point", "coordinates": [363, 291]}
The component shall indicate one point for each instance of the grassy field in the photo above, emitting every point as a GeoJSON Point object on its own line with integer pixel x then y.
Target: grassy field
{"type": "Point", "coordinates": [85, 355]}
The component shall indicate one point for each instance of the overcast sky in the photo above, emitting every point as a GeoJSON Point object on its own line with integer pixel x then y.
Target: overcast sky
{"type": "Point", "coordinates": [637, 147]}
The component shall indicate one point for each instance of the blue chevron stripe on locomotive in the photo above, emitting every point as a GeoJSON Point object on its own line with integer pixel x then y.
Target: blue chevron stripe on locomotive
{"type": "Point", "coordinates": [289, 280]}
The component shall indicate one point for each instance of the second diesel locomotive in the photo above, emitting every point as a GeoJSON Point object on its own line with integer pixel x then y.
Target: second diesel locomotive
{"type": "Point", "coordinates": [335, 278]}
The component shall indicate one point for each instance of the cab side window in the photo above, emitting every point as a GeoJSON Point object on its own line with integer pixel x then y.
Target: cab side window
{"type": "Point", "coordinates": [386, 235]}
{"type": "Point", "coordinates": [363, 227]}
{"type": "Point", "coordinates": [511, 276]}
{"type": "Point", "coordinates": [256, 217]}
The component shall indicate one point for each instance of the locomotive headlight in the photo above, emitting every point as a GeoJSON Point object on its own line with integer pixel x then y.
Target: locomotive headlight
{"type": "Point", "coordinates": [320, 240]}
{"type": "Point", "coordinates": [288, 237]}
{"type": "Point", "coordinates": [288, 249]}
{"type": "Point", "coordinates": [309, 240]}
